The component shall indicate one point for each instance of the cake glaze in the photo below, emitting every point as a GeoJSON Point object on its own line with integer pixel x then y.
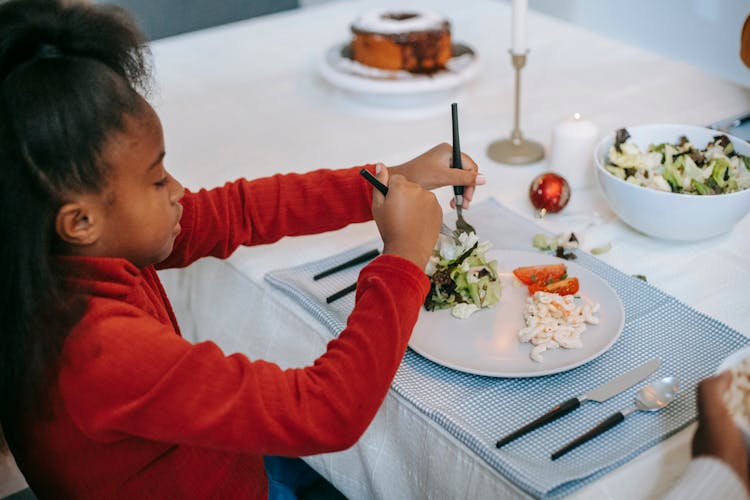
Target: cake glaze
{"type": "Point", "coordinates": [414, 40]}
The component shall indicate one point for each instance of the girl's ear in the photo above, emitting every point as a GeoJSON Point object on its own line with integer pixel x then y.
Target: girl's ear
{"type": "Point", "coordinates": [78, 224]}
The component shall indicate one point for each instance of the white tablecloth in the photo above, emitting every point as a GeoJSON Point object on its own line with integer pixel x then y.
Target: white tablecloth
{"type": "Point", "coordinates": [247, 100]}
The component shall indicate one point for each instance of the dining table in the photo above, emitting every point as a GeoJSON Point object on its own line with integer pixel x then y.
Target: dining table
{"type": "Point", "coordinates": [256, 98]}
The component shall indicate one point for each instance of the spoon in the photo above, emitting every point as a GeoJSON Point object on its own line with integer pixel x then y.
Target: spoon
{"type": "Point", "coordinates": [649, 398]}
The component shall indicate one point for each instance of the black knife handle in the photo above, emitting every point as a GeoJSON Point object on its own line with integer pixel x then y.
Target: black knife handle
{"type": "Point", "coordinates": [374, 181]}
{"type": "Point", "coordinates": [456, 163]}
{"type": "Point", "coordinates": [602, 426]}
{"type": "Point", "coordinates": [555, 413]}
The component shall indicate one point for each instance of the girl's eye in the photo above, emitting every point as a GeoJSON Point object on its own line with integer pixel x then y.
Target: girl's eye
{"type": "Point", "coordinates": [162, 182]}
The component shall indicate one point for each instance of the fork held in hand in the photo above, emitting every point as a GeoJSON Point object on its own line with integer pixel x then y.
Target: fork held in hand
{"type": "Point", "coordinates": [458, 191]}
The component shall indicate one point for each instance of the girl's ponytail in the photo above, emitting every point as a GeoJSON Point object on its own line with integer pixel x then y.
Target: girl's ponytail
{"type": "Point", "coordinates": [68, 75]}
{"type": "Point", "coordinates": [104, 33]}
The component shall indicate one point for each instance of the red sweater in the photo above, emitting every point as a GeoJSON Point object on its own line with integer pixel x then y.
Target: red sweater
{"type": "Point", "coordinates": [139, 412]}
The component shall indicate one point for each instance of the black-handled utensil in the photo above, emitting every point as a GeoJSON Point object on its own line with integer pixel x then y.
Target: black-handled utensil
{"type": "Point", "coordinates": [341, 293]}
{"type": "Point", "coordinates": [600, 393]}
{"type": "Point", "coordinates": [374, 181]}
{"type": "Point", "coordinates": [458, 191]}
{"type": "Point", "coordinates": [649, 398]}
{"type": "Point", "coordinates": [369, 255]}
{"type": "Point", "coordinates": [553, 414]}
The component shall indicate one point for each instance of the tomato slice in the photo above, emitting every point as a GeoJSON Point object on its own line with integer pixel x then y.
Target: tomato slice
{"type": "Point", "coordinates": [568, 286]}
{"type": "Point", "coordinates": [531, 275]}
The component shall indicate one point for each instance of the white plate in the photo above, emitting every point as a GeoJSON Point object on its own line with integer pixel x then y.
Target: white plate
{"type": "Point", "coordinates": [486, 343]}
{"type": "Point", "coordinates": [397, 88]}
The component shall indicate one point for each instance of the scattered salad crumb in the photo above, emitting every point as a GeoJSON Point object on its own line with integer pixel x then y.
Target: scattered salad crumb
{"type": "Point", "coordinates": [641, 277]}
{"type": "Point", "coordinates": [463, 310]}
{"type": "Point", "coordinates": [460, 276]}
{"type": "Point", "coordinates": [602, 249]}
{"type": "Point", "coordinates": [680, 167]}
{"type": "Point", "coordinates": [557, 244]}
{"type": "Point", "coordinates": [555, 321]}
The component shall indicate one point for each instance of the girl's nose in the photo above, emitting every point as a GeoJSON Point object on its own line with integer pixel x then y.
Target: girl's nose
{"type": "Point", "coordinates": [178, 191]}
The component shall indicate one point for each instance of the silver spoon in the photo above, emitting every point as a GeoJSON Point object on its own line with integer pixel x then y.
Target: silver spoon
{"type": "Point", "coordinates": [649, 398]}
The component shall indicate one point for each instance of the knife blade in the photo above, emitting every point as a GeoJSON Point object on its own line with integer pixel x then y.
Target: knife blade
{"type": "Point", "coordinates": [599, 393]}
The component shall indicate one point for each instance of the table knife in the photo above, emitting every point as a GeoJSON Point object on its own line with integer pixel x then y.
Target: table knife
{"type": "Point", "coordinates": [384, 189]}
{"type": "Point", "coordinates": [600, 394]}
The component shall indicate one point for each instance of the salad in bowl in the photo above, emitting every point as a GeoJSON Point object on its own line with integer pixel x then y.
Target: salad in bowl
{"type": "Point", "coordinates": [675, 182]}
{"type": "Point", "coordinates": [680, 167]}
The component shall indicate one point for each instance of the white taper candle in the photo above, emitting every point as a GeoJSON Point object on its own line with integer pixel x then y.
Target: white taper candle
{"type": "Point", "coordinates": [518, 27]}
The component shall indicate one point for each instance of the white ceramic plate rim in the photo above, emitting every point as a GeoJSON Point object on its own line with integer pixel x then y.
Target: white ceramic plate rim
{"type": "Point", "coordinates": [440, 81]}
{"type": "Point", "coordinates": [453, 343]}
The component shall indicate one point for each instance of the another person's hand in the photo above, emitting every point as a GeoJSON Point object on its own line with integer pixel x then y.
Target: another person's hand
{"type": "Point", "coordinates": [717, 435]}
{"type": "Point", "coordinates": [408, 218]}
{"type": "Point", "coordinates": [432, 170]}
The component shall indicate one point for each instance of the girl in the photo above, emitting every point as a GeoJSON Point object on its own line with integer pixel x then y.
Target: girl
{"type": "Point", "coordinates": [101, 397]}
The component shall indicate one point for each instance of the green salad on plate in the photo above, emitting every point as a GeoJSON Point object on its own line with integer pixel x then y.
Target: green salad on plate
{"type": "Point", "coordinates": [461, 278]}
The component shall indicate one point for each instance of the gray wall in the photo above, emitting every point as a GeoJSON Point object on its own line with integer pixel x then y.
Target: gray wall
{"type": "Point", "coordinates": [703, 33]}
{"type": "Point", "coordinates": [161, 18]}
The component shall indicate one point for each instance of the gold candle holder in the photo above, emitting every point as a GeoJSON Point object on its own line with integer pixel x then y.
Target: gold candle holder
{"type": "Point", "coordinates": [516, 150]}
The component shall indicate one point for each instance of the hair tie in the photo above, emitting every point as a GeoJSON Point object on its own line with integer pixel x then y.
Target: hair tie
{"type": "Point", "coordinates": [48, 51]}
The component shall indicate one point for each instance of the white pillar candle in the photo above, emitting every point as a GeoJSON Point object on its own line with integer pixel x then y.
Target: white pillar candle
{"type": "Point", "coordinates": [571, 151]}
{"type": "Point", "coordinates": [518, 27]}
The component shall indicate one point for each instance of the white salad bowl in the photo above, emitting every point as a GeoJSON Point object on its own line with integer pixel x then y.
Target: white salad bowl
{"type": "Point", "coordinates": [661, 214]}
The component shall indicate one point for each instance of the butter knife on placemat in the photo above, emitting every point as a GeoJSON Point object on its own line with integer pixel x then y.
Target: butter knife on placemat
{"type": "Point", "coordinates": [600, 394]}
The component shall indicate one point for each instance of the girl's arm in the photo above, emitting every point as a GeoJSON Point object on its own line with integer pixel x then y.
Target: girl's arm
{"type": "Point", "coordinates": [126, 375]}
{"type": "Point", "coordinates": [215, 222]}
{"type": "Point", "coordinates": [261, 211]}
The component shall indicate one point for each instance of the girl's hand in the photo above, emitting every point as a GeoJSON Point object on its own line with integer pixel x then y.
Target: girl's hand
{"type": "Point", "coordinates": [433, 169]}
{"type": "Point", "coordinates": [408, 218]}
{"type": "Point", "coordinates": [717, 434]}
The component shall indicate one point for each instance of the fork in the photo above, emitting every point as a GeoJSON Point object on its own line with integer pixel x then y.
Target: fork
{"type": "Point", "coordinates": [461, 225]}
{"type": "Point", "coordinates": [458, 191]}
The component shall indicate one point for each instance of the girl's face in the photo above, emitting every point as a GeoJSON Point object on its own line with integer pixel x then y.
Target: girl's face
{"type": "Point", "coordinates": [139, 209]}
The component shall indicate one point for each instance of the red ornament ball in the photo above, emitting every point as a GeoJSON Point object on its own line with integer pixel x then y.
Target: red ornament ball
{"type": "Point", "coordinates": [549, 192]}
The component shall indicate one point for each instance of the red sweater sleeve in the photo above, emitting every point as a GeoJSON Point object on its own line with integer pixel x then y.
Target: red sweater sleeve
{"type": "Point", "coordinates": [142, 380]}
{"type": "Point", "coordinates": [215, 222]}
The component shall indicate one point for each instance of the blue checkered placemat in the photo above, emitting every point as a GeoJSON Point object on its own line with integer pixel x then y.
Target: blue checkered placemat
{"type": "Point", "coordinates": [478, 410]}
